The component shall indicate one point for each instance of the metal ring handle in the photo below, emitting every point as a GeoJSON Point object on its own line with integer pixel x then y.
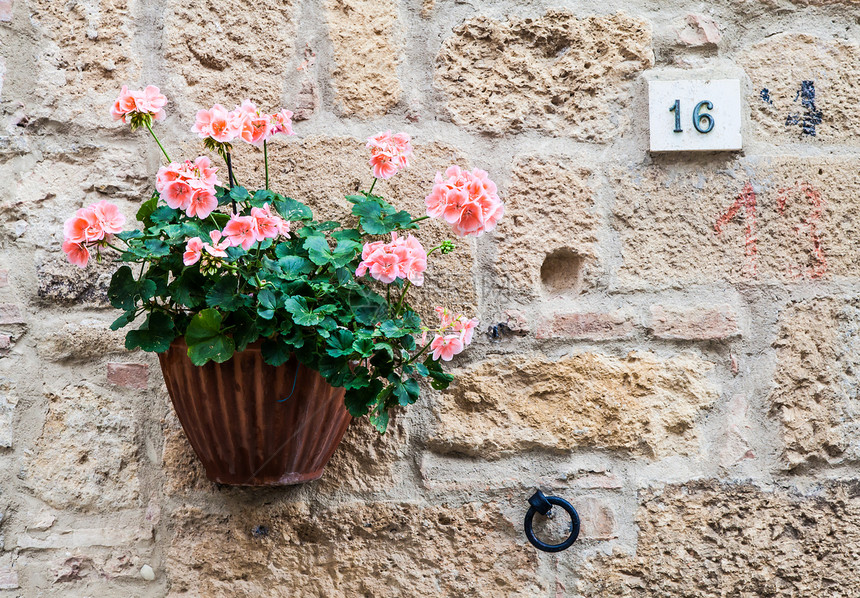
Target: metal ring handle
{"type": "Point", "coordinates": [553, 500]}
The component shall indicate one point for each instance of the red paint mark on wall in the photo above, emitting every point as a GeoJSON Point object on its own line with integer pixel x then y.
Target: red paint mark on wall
{"type": "Point", "coordinates": [746, 200]}
{"type": "Point", "coordinates": [810, 223]}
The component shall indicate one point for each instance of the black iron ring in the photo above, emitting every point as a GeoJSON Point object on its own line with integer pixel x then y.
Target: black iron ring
{"type": "Point", "coordinates": [552, 500]}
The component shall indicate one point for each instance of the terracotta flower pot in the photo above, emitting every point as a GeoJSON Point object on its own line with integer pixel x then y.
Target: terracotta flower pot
{"type": "Point", "coordinates": [240, 428]}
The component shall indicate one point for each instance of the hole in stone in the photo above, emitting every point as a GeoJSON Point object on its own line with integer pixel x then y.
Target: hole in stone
{"type": "Point", "coordinates": [561, 272]}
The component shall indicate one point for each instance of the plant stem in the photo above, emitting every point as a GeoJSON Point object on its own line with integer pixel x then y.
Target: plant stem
{"type": "Point", "coordinates": [114, 247]}
{"type": "Point", "coordinates": [151, 132]}
{"type": "Point", "coordinates": [373, 184]}
{"type": "Point", "coordinates": [414, 220]}
{"type": "Point", "coordinates": [402, 297]}
{"type": "Point", "coordinates": [266, 162]}
{"type": "Point", "coordinates": [230, 175]}
{"type": "Point", "coordinates": [417, 355]}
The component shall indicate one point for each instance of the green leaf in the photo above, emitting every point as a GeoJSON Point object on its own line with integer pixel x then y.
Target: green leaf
{"type": "Point", "coordinates": [406, 392]}
{"type": "Point", "coordinates": [293, 267]}
{"type": "Point", "coordinates": [318, 250]}
{"type": "Point", "coordinates": [156, 334]}
{"type": "Point", "coordinates": [163, 215]}
{"type": "Point", "coordinates": [127, 235]}
{"type": "Point", "coordinates": [439, 379]}
{"type": "Point", "coordinates": [147, 289]}
{"type": "Point", "coordinates": [340, 343]}
{"type": "Point", "coordinates": [290, 209]}
{"type": "Point", "coordinates": [147, 209]}
{"type": "Point", "coordinates": [358, 400]}
{"type": "Point", "coordinates": [239, 193]}
{"type": "Point", "coordinates": [363, 346]}
{"type": "Point", "coordinates": [302, 314]}
{"type": "Point", "coordinates": [244, 328]}
{"type": "Point", "coordinates": [262, 197]}
{"type": "Point", "coordinates": [355, 198]}
{"type": "Point", "coordinates": [224, 294]}
{"type": "Point", "coordinates": [124, 320]}
{"type": "Point", "coordinates": [275, 351]}
{"type": "Point", "coordinates": [268, 304]}
{"type": "Point", "coordinates": [123, 289]}
{"type": "Point", "coordinates": [378, 218]}
{"type": "Point", "coordinates": [206, 341]}
{"type": "Point", "coordinates": [156, 247]}
{"type": "Point", "coordinates": [187, 289]}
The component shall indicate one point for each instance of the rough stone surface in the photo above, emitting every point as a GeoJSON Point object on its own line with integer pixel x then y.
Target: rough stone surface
{"type": "Point", "coordinates": [816, 394]}
{"type": "Point", "coordinates": [545, 242]}
{"type": "Point", "coordinates": [792, 240]}
{"type": "Point", "coordinates": [783, 108]}
{"type": "Point", "coordinates": [698, 31]}
{"type": "Point", "coordinates": [557, 73]}
{"type": "Point", "coordinates": [81, 340]}
{"type": "Point", "coordinates": [715, 539]}
{"type": "Point", "coordinates": [260, 550]}
{"type": "Point", "coordinates": [224, 53]}
{"type": "Point", "coordinates": [640, 404]}
{"type": "Point", "coordinates": [696, 323]}
{"type": "Point", "coordinates": [365, 36]}
{"type": "Point", "coordinates": [86, 457]}
{"type": "Point", "coordinates": [128, 375]}
{"type": "Point", "coordinates": [62, 283]}
{"type": "Point", "coordinates": [8, 401]}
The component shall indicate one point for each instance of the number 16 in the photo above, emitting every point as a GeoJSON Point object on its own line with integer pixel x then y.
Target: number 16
{"type": "Point", "coordinates": [698, 118]}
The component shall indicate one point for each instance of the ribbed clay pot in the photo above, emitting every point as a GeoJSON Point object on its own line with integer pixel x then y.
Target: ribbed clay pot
{"type": "Point", "coordinates": [240, 428]}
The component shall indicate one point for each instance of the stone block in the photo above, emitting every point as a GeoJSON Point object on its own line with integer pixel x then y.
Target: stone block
{"type": "Point", "coordinates": [545, 243]}
{"type": "Point", "coordinates": [815, 393]}
{"type": "Point", "coordinates": [466, 550]}
{"type": "Point", "coordinates": [701, 323]}
{"type": "Point", "coordinates": [641, 405]}
{"type": "Point", "coordinates": [804, 88]}
{"type": "Point", "coordinates": [5, 10]}
{"type": "Point", "coordinates": [64, 284]}
{"type": "Point", "coordinates": [8, 402]}
{"type": "Point", "coordinates": [697, 31]}
{"type": "Point", "coordinates": [366, 39]}
{"type": "Point", "coordinates": [777, 219]}
{"type": "Point", "coordinates": [594, 326]}
{"type": "Point", "coordinates": [11, 314]}
{"type": "Point", "coordinates": [712, 539]}
{"type": "Point", "coordinates": [557, 73]}
{"type": "Point", "coordinates": [80, 341]}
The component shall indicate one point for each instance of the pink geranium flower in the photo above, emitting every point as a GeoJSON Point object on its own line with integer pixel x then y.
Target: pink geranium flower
{"type": "Point", "coordinates": [109, 217]}
{"type": "Point", "coordinates": [83, 227]}
{"type": "Point", "coordinates": [219, 245]}
{"type": "Point", "coordinates": [403, 257]}
{"type": "Point", "coordinates": [189, 186]}
{"type": "Point", "coordinates": [268, 225]}
{"type": "Point", "coordinates": [178, 194]}
{"type": "Point", "coordinates": [389, 153]}
{"type": "Point", "coordinates": [468, 201]}
{"type": "Point", "coordinates": [148, 100]}
{"type": "Point", "coordinates": [282, 123]}
{"type": "Point", "coordinates": [241, 231]}
{"type": "Point", "coordinates": [193, 251]}
{"type": "Point", "coordinates": [446, 347]}
{"type": "Point", "coordinates": [217, 123]}
{"type": "Point", "coordinates": [77, 253]}
{"type": "Point", "coordinates": [203, 202]}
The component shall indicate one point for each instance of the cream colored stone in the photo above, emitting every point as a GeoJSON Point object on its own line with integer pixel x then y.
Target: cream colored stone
{"type": "Point", "coordinates": [712, 539]}
{"type": "Point", "coordinates": [224, 53]}
{"type": "Point", "coordinates": [84, 340]}
{"type": "Point", "coordinates": [365, 36]}
{"type": "Point", "coordinates": [86, 457]}
{"type": "Point", "coordinates": [558, 73]}
{"type": "Point", "coordinates": [780, 64]}
{"type": "Point", "coordinates": [818, 356]}
{"type": "Point", "coordinates": [666, 218]}
{"type": "Point", "coordinates": [641, 404]}
{"type": "Point", "coordinates": [378, 549]}
{"type": "Point", "coordinates": [545, 243]}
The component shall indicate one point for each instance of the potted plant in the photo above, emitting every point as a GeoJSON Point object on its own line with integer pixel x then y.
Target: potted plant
{"type": "Point", "coordinates": [274, 329]}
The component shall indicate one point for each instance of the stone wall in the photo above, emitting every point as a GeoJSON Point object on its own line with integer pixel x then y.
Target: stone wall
{"type": "Point", "coordinates": [685, 373]}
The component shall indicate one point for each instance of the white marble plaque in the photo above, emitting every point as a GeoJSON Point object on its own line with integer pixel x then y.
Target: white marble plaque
{"type": "Point", "coordinates": [695, 115]}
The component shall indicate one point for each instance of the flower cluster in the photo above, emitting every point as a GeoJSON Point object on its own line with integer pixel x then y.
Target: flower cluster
{"type": "Point", "coordinates": [244, 231]}
{"type": "Point", "coordinates": [195, 247]}
{"type": "Point", "coordinates": [403, 257]}
{"type": "Point", "coordinates": [244, 122]}
{"type": "Point", "coordinates": [92, 225]}
{"type": "Point", "coordinates": [389, 153]}
{"type": "Point", "coordinates": [468, 201]}
{"type": "Point", "coordinates": [189, 186]}
{"type": "Point", "coordinates": [147, 101]}
{"type": "Point", "coordinates": [452, 336]}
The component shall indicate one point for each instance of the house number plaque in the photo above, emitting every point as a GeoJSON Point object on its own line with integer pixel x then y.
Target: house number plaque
{"type": "Point", "coordinates": [695, 115]}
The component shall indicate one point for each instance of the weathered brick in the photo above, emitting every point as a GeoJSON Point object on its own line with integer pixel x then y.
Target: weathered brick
{"type": "Point", "coordinates": [258, 550]}
{"type": "Point", "coordinates": [733, 444]}
{"type": "Point", "coordinates": [694, 323]}
{"type": "Point", "coordinates": [815, 393]}
{"type": "Point", "coordinates": [803, 87]}
{"type": "Point", "coordinates": [697, 31]}
{"type": "Point", "coordinates": [712, 539]}
{"type": "Point", "coordinates": [597, 519]}
{"type": "Point", "coordinates": [11, 314]}
{"type": "Point", "coordinates": [5, 10]}
{"type": "Point", "coordinates": [128, 375]}
{"type": "Point", "coordinates": [784, 219]}
{"type": "Point", "coordinates": [545, 243]}
{"type": "Point", "coordinates": [4, 278]}
{"type": "Point", "coordinates": [557, 73]}
{"type": "Point", "coordinates": [365, 36]}
{"type": "Point", "coordinates": [586, 326]}
{"type": "Point", "coordinates": [641, 404]}
{"type": "Point", "coordinates": [8, 401]}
